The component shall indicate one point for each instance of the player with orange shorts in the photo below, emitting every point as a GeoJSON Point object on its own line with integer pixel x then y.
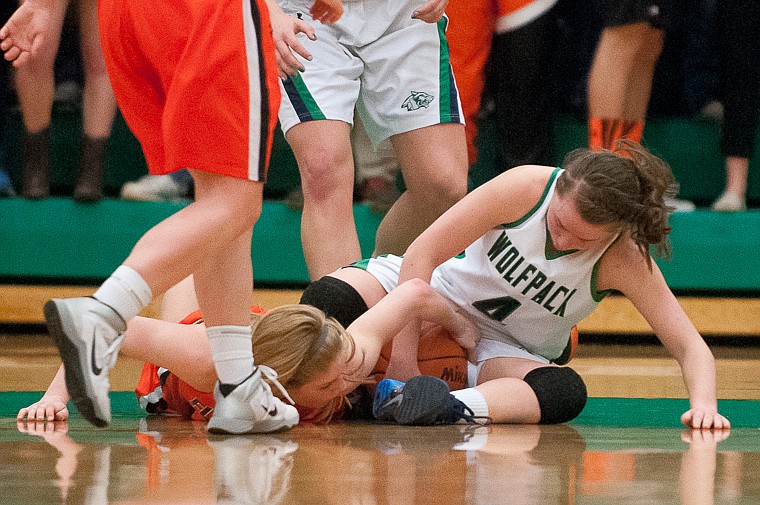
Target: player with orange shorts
{"type": "Point", "coordinates": [319, 362]}
{"type": "Point", "coordinates": [197, 83]}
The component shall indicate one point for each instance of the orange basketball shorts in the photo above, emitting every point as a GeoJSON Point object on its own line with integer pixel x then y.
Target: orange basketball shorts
{"type": "Point", "coordinates": [196, 81]}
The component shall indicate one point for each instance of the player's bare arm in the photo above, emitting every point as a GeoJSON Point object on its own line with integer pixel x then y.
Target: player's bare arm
{"type": "Point", "coordinates": [624, 269]}
{"type": "Point", "coordinates": [504, 199]}
{"type": "Point", "coordinates": [413, 301]}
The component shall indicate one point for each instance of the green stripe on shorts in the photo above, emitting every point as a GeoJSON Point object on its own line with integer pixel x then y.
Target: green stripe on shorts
{"type": "Point", "coordinates": [444, 102]}
{"type": "Point", "coordinates": [307, 99]}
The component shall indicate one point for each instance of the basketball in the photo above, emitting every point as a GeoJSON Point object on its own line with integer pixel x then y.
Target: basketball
{"type": "Point", "coordinates": [439, 355]}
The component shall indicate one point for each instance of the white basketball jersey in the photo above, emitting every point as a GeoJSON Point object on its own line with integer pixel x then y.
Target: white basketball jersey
{"type": "Point", "coordinates": [518, 288]}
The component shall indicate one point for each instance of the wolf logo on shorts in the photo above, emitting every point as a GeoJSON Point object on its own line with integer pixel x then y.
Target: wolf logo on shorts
{"type": "Point", "coordinates": [417, 100]}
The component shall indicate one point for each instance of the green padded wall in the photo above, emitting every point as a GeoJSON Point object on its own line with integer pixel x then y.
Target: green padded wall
{"type": "Point", "coordinates": [60, 239]}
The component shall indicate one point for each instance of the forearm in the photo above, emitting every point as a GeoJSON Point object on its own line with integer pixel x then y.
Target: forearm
{"type": "Point", "coordinates": [698, 368]}
{"type": "Point", "coordinates": [425, 304]}
{"type": "Point", "coordinates": [274, 8]}
{"type": "Point", "coordinates": [57, 387]}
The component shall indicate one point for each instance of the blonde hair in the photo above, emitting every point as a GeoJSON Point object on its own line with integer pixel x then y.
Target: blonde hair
{"type": "Point", "coordinates": [298, 342]}
{"type": "Point", "coordinates": [626, 188]}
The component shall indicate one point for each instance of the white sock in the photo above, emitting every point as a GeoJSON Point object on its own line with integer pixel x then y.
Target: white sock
{"type": "Point", "coordinates": [232, 352]}
{"type": "Point", "coordinates": [126, 292]}
{"type": "Point", "coordinates": [473, 399]}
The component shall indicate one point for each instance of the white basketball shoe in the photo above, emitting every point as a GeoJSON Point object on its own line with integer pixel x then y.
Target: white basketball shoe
{"type": "Point", "coordinates": [88, 335]}
{"type": "Point", "coordinates": [250, 407]}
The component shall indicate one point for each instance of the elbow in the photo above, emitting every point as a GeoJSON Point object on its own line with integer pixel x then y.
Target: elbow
{"type": "Point", "coordinates": [418, 292]}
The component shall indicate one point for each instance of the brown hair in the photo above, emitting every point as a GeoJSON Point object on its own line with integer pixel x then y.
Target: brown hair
{"type": "Point", "coordinates": [626, 187]}
{"type": "Point", "coordinates": [298, 342]}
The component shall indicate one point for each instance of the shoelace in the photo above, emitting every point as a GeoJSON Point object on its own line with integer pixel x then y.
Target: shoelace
{"type": "Point", "coordinates": [272, 376]}
{"type": "Point", "coordinates": [112, 352]}
{"type": "Point", "coordinates": [459, 410]}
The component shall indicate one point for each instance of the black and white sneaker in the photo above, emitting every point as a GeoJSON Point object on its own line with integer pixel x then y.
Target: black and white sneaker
{"type": "Point", "coordinates": [88, 335]}
{"type": "Point", "coordinates": [250, 407]}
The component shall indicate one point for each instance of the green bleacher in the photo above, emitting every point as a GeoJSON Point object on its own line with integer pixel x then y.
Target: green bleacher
{"type": "Point", "coordinates": [57, 240]}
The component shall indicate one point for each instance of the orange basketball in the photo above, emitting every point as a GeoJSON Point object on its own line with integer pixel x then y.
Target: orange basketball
{"type": "Point", "coordinates": [439, 355]}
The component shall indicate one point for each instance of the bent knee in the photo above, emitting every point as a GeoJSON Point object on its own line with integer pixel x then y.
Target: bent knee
{"type": "Point", "coordinates": [560, 391]}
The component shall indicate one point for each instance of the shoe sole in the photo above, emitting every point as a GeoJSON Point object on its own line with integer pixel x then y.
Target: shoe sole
{"type": "Point", "coordinates": [245, 427]}
{"type": "Point", "coordinates": [424, 397]}
{"type": "Point", "coordinates": [70, 355]}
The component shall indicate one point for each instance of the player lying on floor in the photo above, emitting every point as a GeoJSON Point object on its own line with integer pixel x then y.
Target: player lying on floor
{"type": "Point", "coordinates": [542, 247]}
{"type": "Point", "coordinates": [527, 256]}
{"type": "Point", "coordinates": [316, 360]}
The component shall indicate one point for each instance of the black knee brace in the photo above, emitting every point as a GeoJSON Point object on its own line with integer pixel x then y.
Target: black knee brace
{"type": "Point", "coordinates": [336, 298]}
{"type": "Point", "coordinates": [561, 393]}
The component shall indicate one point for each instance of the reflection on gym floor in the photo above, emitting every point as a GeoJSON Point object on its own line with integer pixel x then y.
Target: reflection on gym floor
{"type": "Point", "coordinates": [172, 461]}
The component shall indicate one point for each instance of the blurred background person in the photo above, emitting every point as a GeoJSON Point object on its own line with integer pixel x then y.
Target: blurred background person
{"type": "Point", "coordinates": [35, 87]}
{"type": "Point", "coordinates": [739, 50]}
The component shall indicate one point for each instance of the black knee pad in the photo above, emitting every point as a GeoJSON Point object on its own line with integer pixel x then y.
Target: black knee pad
{"type": "Point", "coordinates": [561, 393]}
{"type": "Point", "coordinates": [336, 298]}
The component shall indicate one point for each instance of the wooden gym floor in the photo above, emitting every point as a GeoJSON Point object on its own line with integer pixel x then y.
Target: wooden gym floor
{"type": "Point", "coordinates": [626, 447]}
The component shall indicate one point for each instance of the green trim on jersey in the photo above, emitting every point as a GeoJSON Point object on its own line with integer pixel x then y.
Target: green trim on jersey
{"type": "Point", "coordinates": [444, 69]}
{"type": "Point", "coordinates": [597, 295]}
{"type": "Point", "coordinates": [535, 207]}
{"type": "Point", "coordinates": [550, 251]}
{"type": "Point", "coordinates": [363, 264]}
{"type": "Point", "coordinates": [306, 97]}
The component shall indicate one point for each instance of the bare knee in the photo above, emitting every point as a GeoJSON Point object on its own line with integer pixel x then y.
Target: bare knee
{"type": "Point", "coordinates": [440, 193]}
{"type": "Point", "coordinates": [326, 173]}
{"type": "Point", "coordinates": [237, 201]}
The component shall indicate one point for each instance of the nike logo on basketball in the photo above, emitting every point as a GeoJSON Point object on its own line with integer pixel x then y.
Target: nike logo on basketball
{"type": "Point", "coordinates": [95, 369]}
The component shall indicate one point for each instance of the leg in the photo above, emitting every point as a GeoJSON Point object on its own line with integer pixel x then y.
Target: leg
{"type": "Point", "coordinates": [737, 170]}
{"type": "Point", "coordinates": [519, 79]}
{"type": "Point", "coordinates": [523, 391]}
{"type": "Point", "coordinates": [376, 170]}
{"type": "Point", "coordinates": [620, 82]}
{"type": "Point", "coordinates": [328, 232]}
{"type": "Point", "coordinates": [98, 102]}
{"type": "Point", "coordinates": [35, 88]}
{"type": "Point", "coordinates": [98, 106]}
{"type": "Point", "coordinates": [198, 232]}
{"type": "Point", "coordinates": [182, 348]}
{"type": "Point", "coordinates": [345, 294]}
{"type": "Point", "coordinates": [35, 85]}
{"type": "Point", "coordinates": [469, 35]}
{"type": "Point", "coordinates": [740, 79]}
{"type": "Point", "coordinates": [179, 301]}
{"type": "Point", "coordinates": [434, 163]}
{"type": "Point", "coordinates": [509, 390]}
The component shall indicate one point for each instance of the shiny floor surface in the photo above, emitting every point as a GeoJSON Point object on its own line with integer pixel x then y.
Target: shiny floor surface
{"type": "Point", "coordinates": [172, 461]}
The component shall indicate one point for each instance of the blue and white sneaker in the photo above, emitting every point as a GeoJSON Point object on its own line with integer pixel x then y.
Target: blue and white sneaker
{"type": "Point", "coordinates": [422, 400]}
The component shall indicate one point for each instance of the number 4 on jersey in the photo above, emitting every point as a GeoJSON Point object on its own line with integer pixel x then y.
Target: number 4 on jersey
{"type": "Point", "coordinates": [499, 308]}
